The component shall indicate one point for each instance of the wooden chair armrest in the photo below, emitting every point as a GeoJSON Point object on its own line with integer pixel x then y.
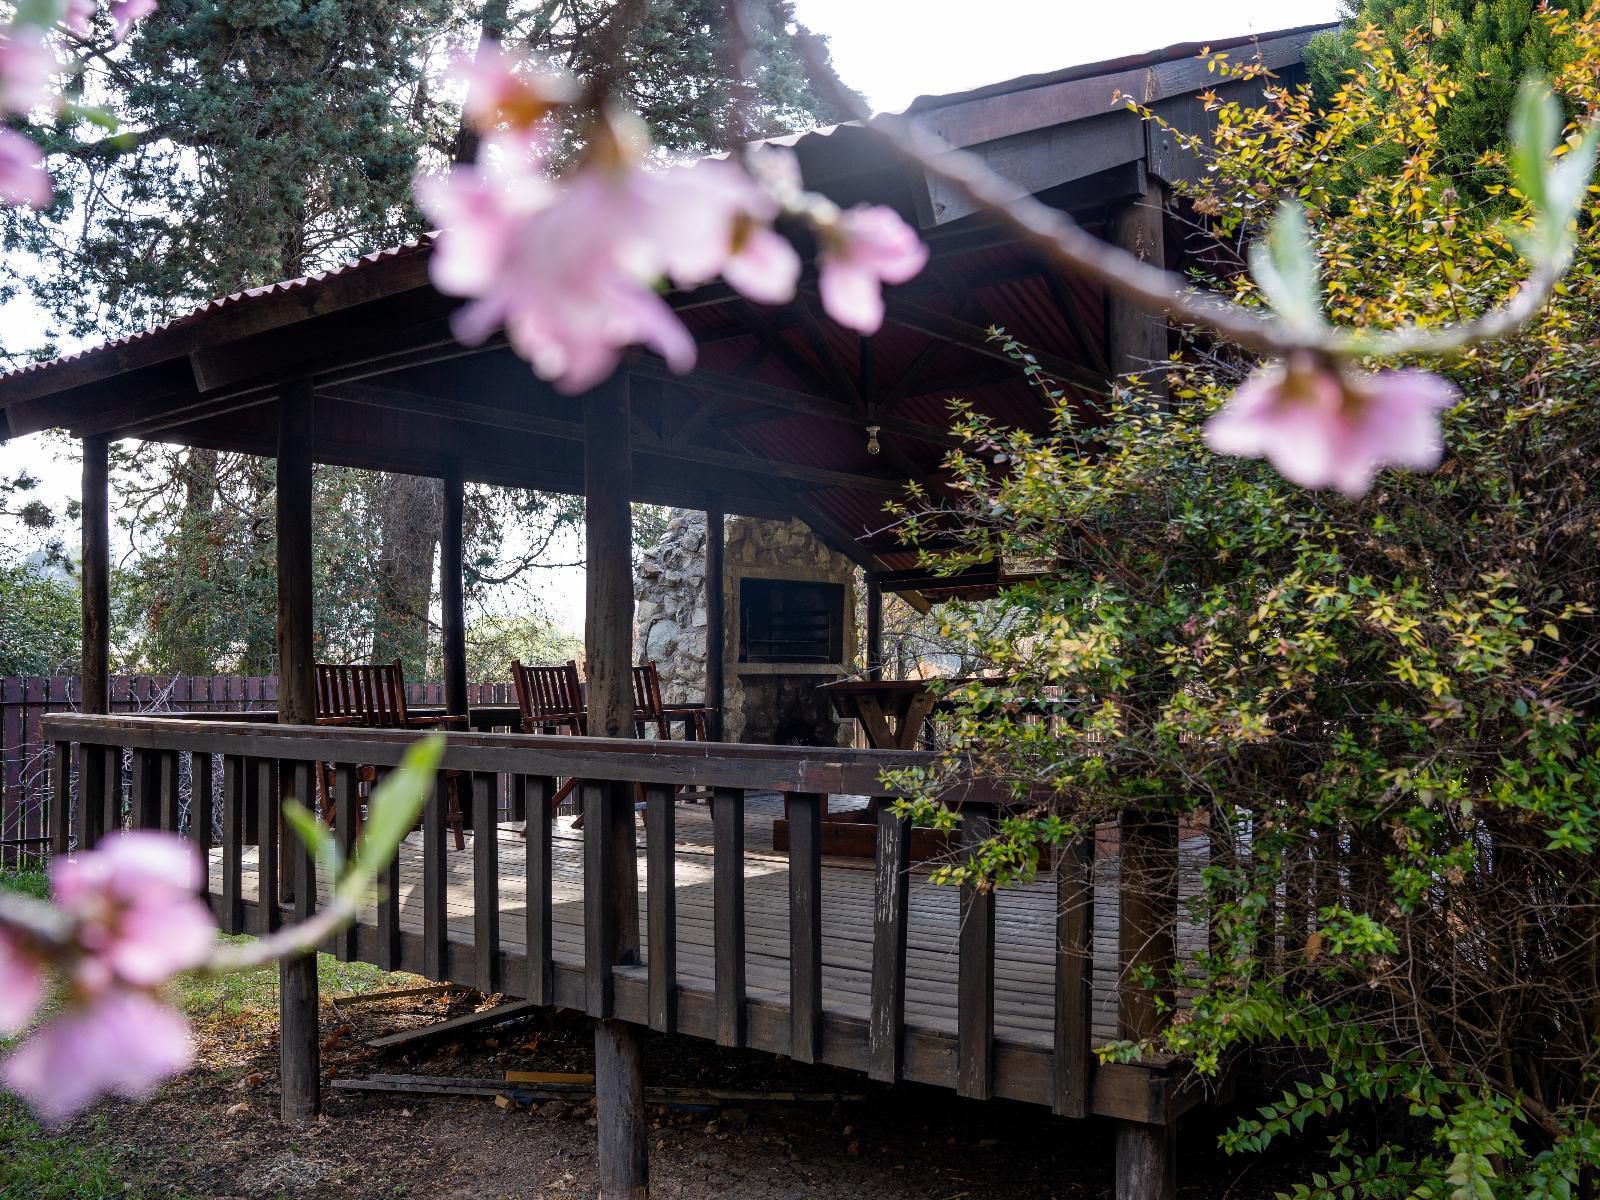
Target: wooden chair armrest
{"type": "Point", "coordinates": [447, 721]}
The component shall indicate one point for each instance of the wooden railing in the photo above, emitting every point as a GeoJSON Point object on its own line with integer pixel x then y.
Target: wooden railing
{"type": "Point", "coordinates": [248, 769]}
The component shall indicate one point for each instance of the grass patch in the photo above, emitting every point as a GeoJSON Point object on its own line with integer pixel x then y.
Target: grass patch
{"type": "Point", "coordinates": [251, 994]}
{"type": "Point", "coordinates": [31, 882]}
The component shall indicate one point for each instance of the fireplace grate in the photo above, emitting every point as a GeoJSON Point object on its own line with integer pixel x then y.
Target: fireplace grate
{"type": "Point", "coordinates": [790, 621]}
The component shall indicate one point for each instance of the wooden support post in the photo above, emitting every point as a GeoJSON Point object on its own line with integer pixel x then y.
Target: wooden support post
{"type": "Point", "coordinates": [234, 770]}
{"type": "Point", "coordinates": [485, 882]}
{"type": "Point", "coordinates": [536, 793]}
{"type": "Point", "coordinates": [874, 627]}
{"type": "Point", "coordinates": [1137, 339]}
{"type": "Point", "coordinates": [727, 914]}
{"type": "Point", "coordinates": [94, 683]}
{"type": "Point", "coordinates": [805, 926]}
{"type": "Point", "coordinates": [975, 968]}
{"type": "Point", "coordinates": [389, 950]}
{"type": "Point", "coordinates": [1074, 976]}
{"type": "Point", "coordinates": [1147, 897]}
{"type": "Point", "coordinates": [661, 847]}
{"type": "Point", "coordinates": [608, 642]}
{"type": "Point", "coordinates": [61, 799]}
{"type": "Point", "coordinates": [298, 1055]}
{"type": "Point", "coordinates": [452, 598]}
{"type": "Point", "coordinates": [716, 694]}
{"type": "Point", "coordinates": [346, 812]}
{"type": "Point", "coordinates": [891, 911]}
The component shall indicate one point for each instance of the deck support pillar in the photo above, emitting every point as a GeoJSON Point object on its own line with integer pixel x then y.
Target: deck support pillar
{"type": "Point", "coordinates": [874, 627]}
{"type": "Point", "coordinates": [452, 599]}
{"type": "Point", "coordinates": [1147, 1162]}
{"type": "Point", "coordinates": [1138, 339]}
{"type": "Point", "coordinates": [299, 1063]}
{"type": "Point", "coordinates": [96, 814]}
{"type": "Point", "coordinates": [608, 643]}
{"type": "Point", "coordinates": [716, 684]}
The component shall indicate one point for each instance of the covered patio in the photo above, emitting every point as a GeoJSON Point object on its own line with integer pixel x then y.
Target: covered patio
{"type": "Point", "coordinates": [700, 926]}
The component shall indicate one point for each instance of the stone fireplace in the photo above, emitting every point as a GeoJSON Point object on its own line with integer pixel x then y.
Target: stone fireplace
{"type": "Point", "coordinates": [788, 625]}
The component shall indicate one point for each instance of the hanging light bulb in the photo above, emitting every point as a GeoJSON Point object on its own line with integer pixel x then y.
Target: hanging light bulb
{"type": "Point", "coordinates": [872, 439]}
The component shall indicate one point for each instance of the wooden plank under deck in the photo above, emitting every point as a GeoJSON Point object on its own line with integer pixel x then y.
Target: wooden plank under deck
{"type": "Point", "coordinates": [1024, 942]}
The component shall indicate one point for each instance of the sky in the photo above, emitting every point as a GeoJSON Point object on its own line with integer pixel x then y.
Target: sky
{"type": "Point", "coordinates": [891, 51]}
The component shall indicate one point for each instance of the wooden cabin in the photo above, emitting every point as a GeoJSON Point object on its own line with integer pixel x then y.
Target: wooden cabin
{"type": "Point", "coordinates": [705, 930]}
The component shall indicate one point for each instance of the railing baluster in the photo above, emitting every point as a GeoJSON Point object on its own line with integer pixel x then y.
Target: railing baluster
{"type": "Point", "coordinates": [805, 926]}
{"type": "Point", "coordinates": [599, 914]}
{"type": "Point", "coordinates": [266, 808]}
{"type": "Point", "coordinates": [975, 971]}
{"type": "Point", "coordinates": [301, 861]}
{"type": "Point", "coordinates": [1074, 975]}
{"type": "Point", "coordinates": [61, 800]}
{"type": "Point", "coordinates": [727, 824]}
{"type": "Point", "coordinates": [202, 808]}
{"type": "Point", "coordinates": [169, 804]}
{"type": "Point", "coordinates": [534, 794]}
{"type": "Point", "coordinates": [435, 880]}
{"type": "Point", "coordinates": [144, 792]}
{"type": "Point", "coordinates": [486, 882]}
{"type": "Point", "coordinates": [91, 794]}
{"type": "Point", "coordinates": [660, 848]}
{"type": "Point", "coordinates": [891, 909]}
{"type": "Point", "coordinates": [389, 949]}
{"type": "Point", "coordinates": [234, 770]}
{"type": "Point", "coordinates": [346, 814]}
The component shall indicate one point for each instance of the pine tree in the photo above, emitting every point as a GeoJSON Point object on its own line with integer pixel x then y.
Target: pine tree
{"type": "Point", "coordinates": [263, 139]}
{"type": "Point", "coordinates": [1488, 45]}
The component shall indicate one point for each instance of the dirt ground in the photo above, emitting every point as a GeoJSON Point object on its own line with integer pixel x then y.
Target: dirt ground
{"type": "Point", "coordinates": [215, 1133]}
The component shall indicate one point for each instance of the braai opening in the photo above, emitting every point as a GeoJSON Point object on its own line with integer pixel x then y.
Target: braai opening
{"type": "Point", "coordinates": [790, 621]}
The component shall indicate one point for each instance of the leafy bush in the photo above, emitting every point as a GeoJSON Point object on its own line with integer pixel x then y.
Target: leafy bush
{"type": "Point", "coordinates": [1382, 713]}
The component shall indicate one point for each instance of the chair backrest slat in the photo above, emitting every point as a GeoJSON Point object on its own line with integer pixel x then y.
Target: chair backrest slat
{"type": "Point", "coordinates": [549, 695]}
{"type": "Point", "coordinates": [373, 693]}
{"type": "Point", "coordinates": [647, 698]}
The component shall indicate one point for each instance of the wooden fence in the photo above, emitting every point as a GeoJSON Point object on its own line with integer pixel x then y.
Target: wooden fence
{"type": "Point", "coordinates": [25, 793]}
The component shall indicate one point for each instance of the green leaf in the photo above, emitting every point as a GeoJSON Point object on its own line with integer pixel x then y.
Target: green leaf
{"type": "Point", "coordinates": [315, 836]}
{"type": "Point", "coordinates": [1535, 125]}
{"type": "Point", "coordinates": [395, 805]}
{"type": "Point", "coordinates": [1285, 267]}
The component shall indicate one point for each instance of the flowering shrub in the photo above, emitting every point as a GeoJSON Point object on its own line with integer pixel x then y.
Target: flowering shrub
{"type": "Point", "coordinates": [1380, 712]}
{"type": "Point", "coordinates": [126, 918]}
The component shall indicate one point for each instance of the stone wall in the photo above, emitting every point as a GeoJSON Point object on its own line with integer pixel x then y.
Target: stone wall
{"type": "Point", "coordinates": [762, 701]}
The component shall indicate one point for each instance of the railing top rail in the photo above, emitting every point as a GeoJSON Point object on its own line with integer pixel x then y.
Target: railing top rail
{"type": "Point", "coordinates": [824, 769]}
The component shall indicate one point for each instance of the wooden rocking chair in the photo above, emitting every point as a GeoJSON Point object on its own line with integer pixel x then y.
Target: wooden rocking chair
{"type": "Point", "coordinates": [373, 696]}
{"type": "Point", "coordinates": [551, 701]}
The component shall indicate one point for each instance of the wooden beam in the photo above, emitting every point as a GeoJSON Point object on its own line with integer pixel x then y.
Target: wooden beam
{"type": "Point", "coordinates": [452, 600]}
{"type": "Point", "coordinates": [299, 1040]}
{"type": "Point", "coordinates": [788, 400]}
{"type": "Point", "coordinates": [94, 694]}
{"type": "Point", "coordinates": [644, 442]}
{"type": "Point", "coordinates": [971, 337]}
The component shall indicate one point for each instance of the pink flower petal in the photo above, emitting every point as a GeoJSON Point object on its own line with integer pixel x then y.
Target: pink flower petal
{"type": "Point", "coordinates": [79, 16]}
{"type": "Point", "coordinates": [870, 246]}
{"type": "Point", "coordinates": [28, 68]}
{"type": "Point", "coordinates": [1323, 427]}
{"type": "Point", "coordinates": [125, 14]}
{"type": "Point", "coordinates": [129, 868]}
{"type": "Point", "coordinates": [766, 268]}
{"type": "Point", "coordinates": [23, 178]}
{"type": "Point", "coordinates": [156, 941]}
{"type": "Point", "coordinates": [124, 1043]}
{"type": "Point", "coordinates": [21, 984]}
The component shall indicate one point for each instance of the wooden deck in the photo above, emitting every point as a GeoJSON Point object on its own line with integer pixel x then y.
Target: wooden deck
{"type": "Point", "coordinates": [1024, 940]}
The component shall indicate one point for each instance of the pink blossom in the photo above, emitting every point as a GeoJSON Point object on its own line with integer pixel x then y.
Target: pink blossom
{"type": "Point", "coordinates": [79, 16]}
{"type": "Point", "coordinates": [139, 919]}
{"type": "Point", "coordinates": [572, 272]}
{"type": "Point", "coordinates": [1322, 426]}
{"type": "Point", "coordinates": [125, 14]}
{"type": "Point", "coordinates": [23, 179]}
{"type": "Point", "coordinates": [123, 1042]}
{"type": "Point", "coordinates": [27, 71]}
{"type": "Point", "coordinates": [504, 90]}
{"type": "Point", "coordinates": [21, 983]}
{"type": "Point", "coordinates": [869, 246]}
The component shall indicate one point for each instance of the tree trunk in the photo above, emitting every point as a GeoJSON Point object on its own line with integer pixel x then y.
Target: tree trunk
{"type": "Point", "coordinates": [409, 520]}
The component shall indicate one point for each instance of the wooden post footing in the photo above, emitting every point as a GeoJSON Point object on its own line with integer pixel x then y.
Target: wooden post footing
{"type": "Point", "coordinates": [1147, 1161]}
{"type": "Point", "coordinates": [299, 1060]}
{"type": "Point", "coordinates": [619, 1111]}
